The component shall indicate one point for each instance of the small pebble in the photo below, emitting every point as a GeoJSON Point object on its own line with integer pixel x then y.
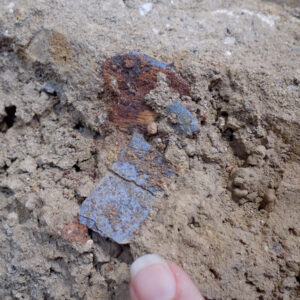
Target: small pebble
{"type": "Point", "coordinates": [152, 128]}
{"type": "Point", "coordinates": [277, 248]}
{"type": "Point", "coordinates": [12, 219]}
{"type": "Point", "coordinates": [173, 118]}
{"type": "Point", "coordinates": [31, 204]}
{"type": "Point", "coordinates": [269, 196]}
{"type": "Point", "coordinates": [240, 193]}
{"type": "Point", "coordinates": [145, 9]}
{"type": "Point", "coordinates": [49, 89]}
{"type": "Point", "coordinates": [229, 169]}
{"type": "Point", "coordinates": [221, 123]}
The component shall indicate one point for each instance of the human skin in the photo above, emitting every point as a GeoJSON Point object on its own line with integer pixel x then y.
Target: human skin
{"type": "Point", "coordinates": [153, 278]}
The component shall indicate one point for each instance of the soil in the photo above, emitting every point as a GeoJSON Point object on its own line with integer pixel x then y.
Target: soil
{"type": "Point", "coordinates": [230, 217]}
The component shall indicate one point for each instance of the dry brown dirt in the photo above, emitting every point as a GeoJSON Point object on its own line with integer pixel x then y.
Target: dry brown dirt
{"type": "Point", "coordinates": [230, 218]}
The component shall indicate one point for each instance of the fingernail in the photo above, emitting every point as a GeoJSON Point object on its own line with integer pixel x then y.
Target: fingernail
{"type": "Point", "coordinates": [152, 278]}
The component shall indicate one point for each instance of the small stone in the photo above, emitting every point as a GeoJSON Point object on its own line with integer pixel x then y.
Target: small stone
{"type": "Point", "coordinates": [31, 203]}
{"type": "Point", "coordinates": [28, 165]}
{"type": "Point", "coordinates": [268, 201]}
{"type": "Point", "coordinates": [12, 219]}
{"type": "Point", "coordinates": [229, 169]}
{"type": "Point", "coordinates": [75, 232]}
{"type": "Point", "coordinates": [152, 128]}
{"type": "Point", "coordinates": [190, 148]}
{"type": "Point", "coordinates": [270, 196]}
{"type": "Point", "coordinates": [3, 127]}
{"type": "Point", "coordinates": [84, 189]}
{"type": "Point", "coordinates": [50, 89]}
{"type": "Point", "coordinates": [173, 119]}
{"type": "Point", "coordinates": [277, 248]}
{"type": "Point", "coordinates": [145, 9]}
{"type": "Point", "coordinates": [240, 193]}
{"type": "Point", "coordinates": [222, 123]}
{"type": "Point", "coordinates": [233, 123]}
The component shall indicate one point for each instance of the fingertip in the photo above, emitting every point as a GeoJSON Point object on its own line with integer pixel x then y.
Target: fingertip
{"type": "Point", "coordinates": [152, 279]}
{"type": "Point", "coordinates": [145, 261]}
{"type": "Point", "coordinates": [132, 293]}
{"type": "Point", "coordinates": [155, 279]}
{"type": "Point", "coordinates": [185, 287]}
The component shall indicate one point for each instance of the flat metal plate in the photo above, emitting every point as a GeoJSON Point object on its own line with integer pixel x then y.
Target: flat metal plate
{"type": "Point", "coordinates": [121, 201]}
{"type": "Point", "coordinates": [144, 165]}
{"type": "Point", "coordinates": [116, 208]}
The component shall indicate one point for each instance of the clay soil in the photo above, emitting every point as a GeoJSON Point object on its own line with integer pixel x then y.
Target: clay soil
{"type": "Point", "coordinates": [230, 217]}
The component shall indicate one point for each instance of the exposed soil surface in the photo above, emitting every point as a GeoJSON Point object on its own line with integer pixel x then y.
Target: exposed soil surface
{"type": "Point", "coordinates": [230, 217]}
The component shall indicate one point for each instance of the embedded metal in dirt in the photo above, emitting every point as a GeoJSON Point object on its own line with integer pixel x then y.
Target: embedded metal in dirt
{"type": "Point", "coordinates": [122, 200]}
{"type": "Point", "coordinates": [130, 77]}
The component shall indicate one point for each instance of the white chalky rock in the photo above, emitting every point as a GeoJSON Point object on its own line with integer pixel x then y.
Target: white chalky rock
{"type": "Point", "coordinates": [145, 9]}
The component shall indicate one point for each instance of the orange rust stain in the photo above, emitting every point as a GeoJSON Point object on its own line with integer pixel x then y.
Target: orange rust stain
{"type": "Point", "coordinates": [75, 232]}
{"type": "Point", "coordinates": [130, 78]}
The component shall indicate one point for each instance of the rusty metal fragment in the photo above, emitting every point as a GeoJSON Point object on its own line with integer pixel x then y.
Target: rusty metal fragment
{"type": "Point", "coordinates": [75, 232]}
{"type": "Point", "coordinates": [130, 77]}
{"type": "Point", "coordinates": [122, 200]}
